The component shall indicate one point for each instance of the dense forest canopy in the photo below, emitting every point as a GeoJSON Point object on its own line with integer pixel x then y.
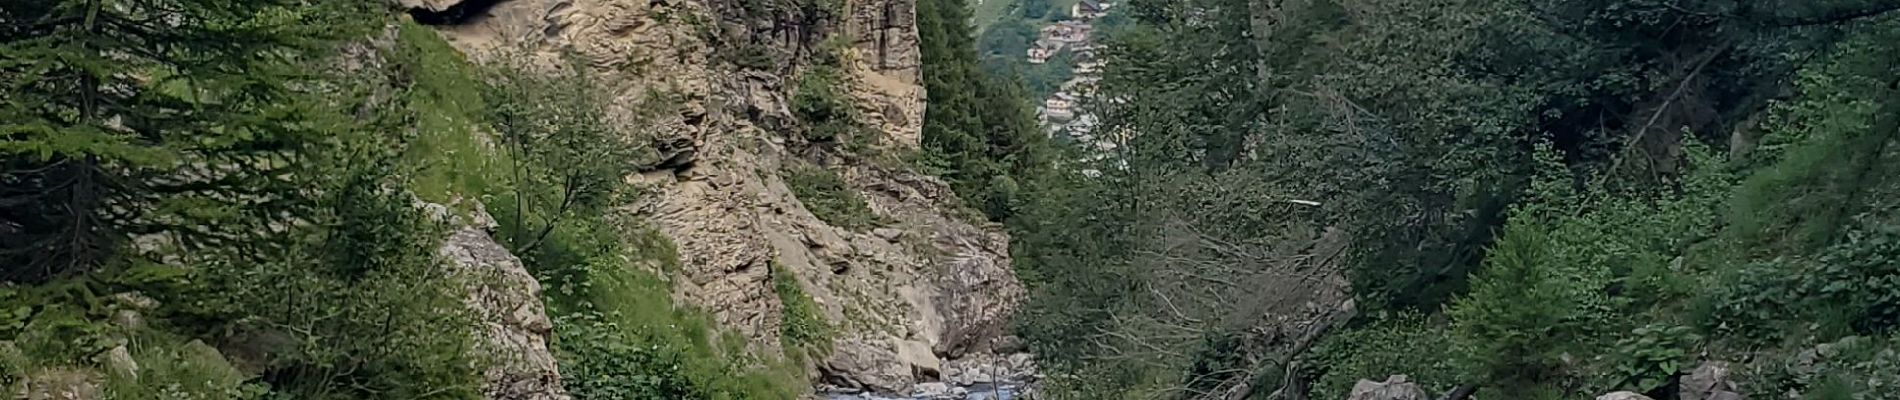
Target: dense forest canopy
{"type": "Point", "coordinates": [1529, 199]}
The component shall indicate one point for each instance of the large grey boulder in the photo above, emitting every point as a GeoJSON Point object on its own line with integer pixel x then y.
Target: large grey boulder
{"type": "Point", "coordinates": [60, 384]}
{"type": "Point", "coordinates": [1623, 396]}
{"type": "Point", "coordinates": [431, 5]}
{"type": "Point", "coordinates": [1396, 387]}
{"type": "Point", "coordinates": [857, 364]}
{"type": "Point", "coordinates": [1709, 381]}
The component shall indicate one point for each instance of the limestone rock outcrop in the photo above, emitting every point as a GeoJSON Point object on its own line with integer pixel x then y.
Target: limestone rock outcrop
{"type": "Point", "coordinates": [1396, 387]}
{"type": "Point", "coordinates": [1623, 396]}
{"type": "Point", "coordinates": [1709, 381]}
{"type": "Point", "coordinates": [430, 5]}
{"type": "Point", "coordinates": [709, 84]}
{"type": "Point", "coordinates": [889, 84]}
{"type": "Point", "coordinates": [512, 325]}
{"type": "Point", "coordinates": [60, 384]}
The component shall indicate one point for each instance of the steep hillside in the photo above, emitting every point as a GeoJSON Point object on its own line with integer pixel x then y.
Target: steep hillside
{"type": "Point", "coordinates": [1474, 199]}
{"type": "Point", "coordinates": [917, 286]}
{"type": "Point", "coordinates": [503, 199]}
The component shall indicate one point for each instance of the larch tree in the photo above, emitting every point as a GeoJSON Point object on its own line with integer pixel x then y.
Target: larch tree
{"type": "Point", "coordinates": [130, 117]}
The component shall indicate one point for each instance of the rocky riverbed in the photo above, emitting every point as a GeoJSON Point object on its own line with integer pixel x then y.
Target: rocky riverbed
{"type": "Point", "coordinates": [981, 377]}
{"type": "Point", "coordinates": [942, 391]}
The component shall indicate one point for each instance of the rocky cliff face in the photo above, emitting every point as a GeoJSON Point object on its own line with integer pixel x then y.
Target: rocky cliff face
{"type": "Point", "coordinates": [506, 303]}
{"type": "Point", "coordinates": [925, 287]}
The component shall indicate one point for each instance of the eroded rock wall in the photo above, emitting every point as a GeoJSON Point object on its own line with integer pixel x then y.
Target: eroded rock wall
{"type": "Point", "coordinates": [903, 298]}
{"type": "Point", "coordinates": [505, 300]}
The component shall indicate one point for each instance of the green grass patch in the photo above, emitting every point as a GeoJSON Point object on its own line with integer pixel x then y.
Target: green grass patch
{"type": "Point", "coordinates": [829, 198]}
{"type": "Point", "coordinates": [444, 96]}
{"type": "Point", "coordinates": [803, 330]}
{"type": "Point", "coordinates": [168, 367]}
{"type": "Point", "coordinates": [178, 370]}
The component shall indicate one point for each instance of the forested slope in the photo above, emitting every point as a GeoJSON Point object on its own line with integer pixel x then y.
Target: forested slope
{"type": "Point", "coordinates": [1521, 199]}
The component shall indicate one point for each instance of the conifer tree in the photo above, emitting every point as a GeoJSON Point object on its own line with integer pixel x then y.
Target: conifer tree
{"type": "Point", "coordinates": [127, 117]}
{"type": "Point", "coordinates": [979, 130]}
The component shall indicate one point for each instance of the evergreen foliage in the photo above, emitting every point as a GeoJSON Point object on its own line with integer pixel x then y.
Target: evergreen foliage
{"type": "Point", "coordinates": [118, 117]}
{"type": "Point", "coordinates": [1514, 327]}
{"type": "Point", "coordinates": [1539, 172]}
{"type": "Point", "coordinates": [1529, 198]}
{"type": "Point", "coordinates": [269, 210]}
{"type": "Point", "coordinates": [822, 103]}
{"type": "Point", "coordinates": [977, 127]}
{"type": "Point", "coordinates": [1404, 344]}
{"type": "Point", "coordinates": [1035, 9]}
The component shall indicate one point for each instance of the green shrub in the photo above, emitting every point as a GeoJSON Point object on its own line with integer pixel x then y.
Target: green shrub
{"type": "Point", "coordinates": [568, 156]}
{"type": "Point", "coordinates": [370, 311]}
{"type": "Point", "coordinates": [1651, 356]}
{"type": "Point", "coordinates": [750, 55]}
{"type": "Point", "coordinates": [54, 323]}
{"type": "Point", "coordinates": [1522, 313]}
{"type": "Point", "coordinates": [1844, 289]}
{"type": "Point", "coordinates": [1833, 388]}
{"type": "Point", "coordinates": [824, 105]}
{"type": "Point", "coordinates": [172, 370]}
{"type": "Point", "coordinates": [1213, 359]}
{"type": "Point", "coordinates": [802, 328]}
{"type": "Point", "coordinates": [829, 198]}
{"type": "Point", "coordinates": [1849, 368]}
{"type": "Point", "coordinates": [350, 303]}
{"type": "Point", "coordinates": [630, 342]}
{"type": "Point", "coordinates": [600, 360]}
{"type": "Point", "coordinates": [1578, 273]}
{"type": "Point", "coordinates": [620, 336]}
{"type": "Point", "coordinates": [63, 326]}
{"type": "Point", "coordinates": [1811, 232]}
{"type": "Point", "coordinates": [1004, 197]}
{"type": "Point", "coordinates": [1406, 344]}
{"type": "Point", "coordinates": [1822, 153]}
{"type": "Point", "coordinates": [331, 260]}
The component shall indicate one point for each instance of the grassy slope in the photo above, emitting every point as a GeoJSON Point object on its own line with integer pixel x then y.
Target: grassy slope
{"type": "Point", "coordinates": [446, 100]}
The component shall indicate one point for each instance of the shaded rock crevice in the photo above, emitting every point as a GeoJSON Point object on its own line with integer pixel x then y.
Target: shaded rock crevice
{"type": "Point", "coordinates": [439, 13]}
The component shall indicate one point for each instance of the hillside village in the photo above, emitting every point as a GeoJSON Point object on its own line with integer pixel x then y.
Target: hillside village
{"type": "Point", "coordinates": [1062, 113]}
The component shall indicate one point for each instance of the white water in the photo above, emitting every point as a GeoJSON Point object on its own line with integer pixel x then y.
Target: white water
{"type": "Point", "coordinates": [980, 391]}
